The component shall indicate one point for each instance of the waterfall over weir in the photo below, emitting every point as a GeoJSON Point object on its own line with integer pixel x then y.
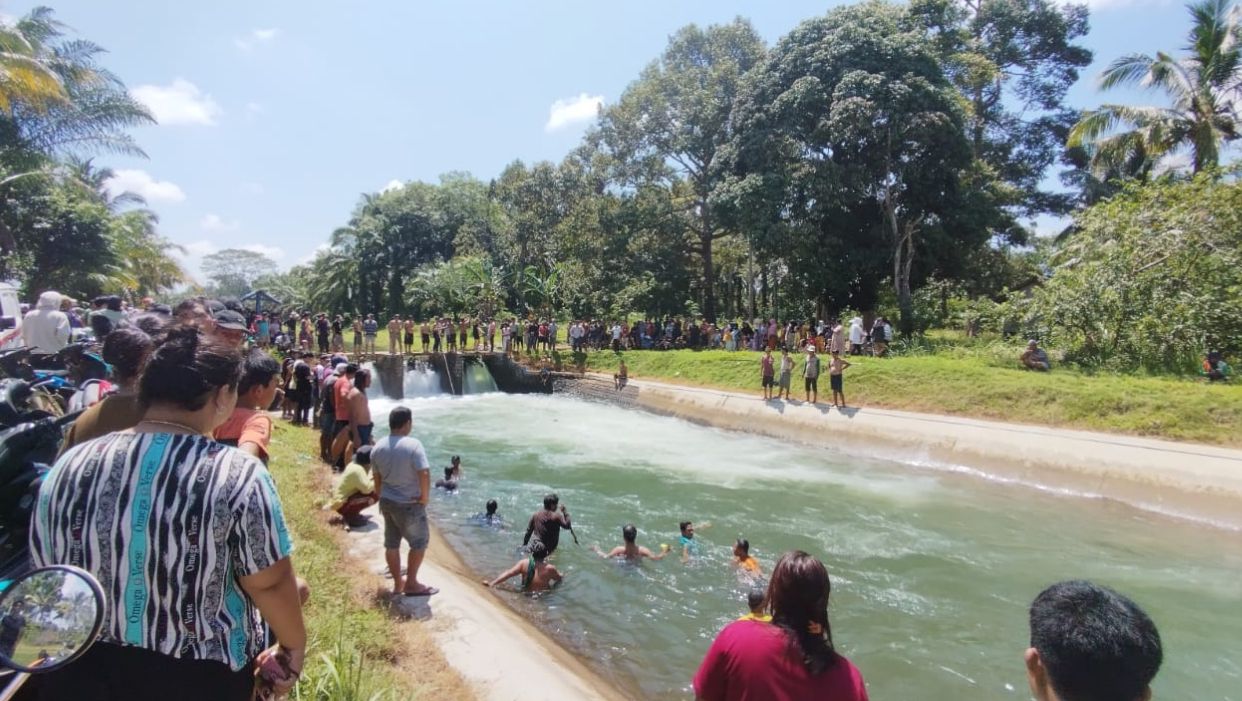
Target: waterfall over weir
{"type": "Point", "coordinates": [478, 379]}
{"type": "Point", "coordinates": [399, 377]}
{"type": "Point", "coordinates": [421, 382]}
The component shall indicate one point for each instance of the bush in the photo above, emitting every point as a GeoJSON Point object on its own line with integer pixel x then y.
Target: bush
{"type": "Point", "coordinates": [1152, 279]}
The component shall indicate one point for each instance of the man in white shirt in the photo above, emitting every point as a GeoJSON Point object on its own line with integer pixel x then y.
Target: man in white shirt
{"type": "Point", "coordinates": [45, 329]}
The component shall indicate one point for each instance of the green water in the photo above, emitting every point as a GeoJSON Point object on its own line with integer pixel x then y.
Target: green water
{"type": "Point", "coordinates": [932, 570]}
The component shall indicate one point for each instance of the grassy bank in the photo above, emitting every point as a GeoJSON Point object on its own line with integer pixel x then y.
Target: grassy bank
{"type": "Point", "coordinates": [982, 383]}
{"type": "Point", "coordinates": [357, 651]}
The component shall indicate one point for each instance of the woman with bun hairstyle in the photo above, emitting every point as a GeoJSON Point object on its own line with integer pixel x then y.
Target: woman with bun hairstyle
{"type": "Point", "coordinates": [790, 659]}
{"type": "Point", "coordinates": [185, 534]}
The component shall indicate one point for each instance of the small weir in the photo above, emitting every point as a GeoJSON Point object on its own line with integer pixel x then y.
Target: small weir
{"type": "Point", "coordinates": [398, 377]}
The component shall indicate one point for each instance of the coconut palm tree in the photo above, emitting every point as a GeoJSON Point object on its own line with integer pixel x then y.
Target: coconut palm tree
{"type": "Point", "coordinates": [1203, 88]}
{"type": "Point", "coordinates": [25, 76]}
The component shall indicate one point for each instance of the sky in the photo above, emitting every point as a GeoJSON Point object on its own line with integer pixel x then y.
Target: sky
{"type": "Point", "coordinates": [275, 116]}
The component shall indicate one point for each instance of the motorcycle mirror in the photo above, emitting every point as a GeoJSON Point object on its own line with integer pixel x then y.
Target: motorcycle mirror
{"type": "Point", "coordinates": [48, 618]}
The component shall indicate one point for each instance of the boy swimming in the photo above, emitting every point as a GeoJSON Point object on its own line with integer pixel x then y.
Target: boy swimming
{"type": "Point", "coordinates": [746, 563]}
{"type": "Point", "coordinates": [629, 549]}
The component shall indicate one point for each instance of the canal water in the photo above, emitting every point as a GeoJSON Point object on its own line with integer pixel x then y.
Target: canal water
{"type": "Point", "coordinates": [932, 570]}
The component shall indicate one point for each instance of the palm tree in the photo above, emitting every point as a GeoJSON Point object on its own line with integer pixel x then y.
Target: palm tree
{"type": "Point", "coordinates": [1203, 88]}
{"type": "Point", "coordinates": [84, 172]}
{"type": "Point", "coordinates": [25, 76]}
{"type": "Point", "coordinates": [145, 258]}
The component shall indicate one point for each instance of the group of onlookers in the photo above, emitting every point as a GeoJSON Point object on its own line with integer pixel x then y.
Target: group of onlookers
{"type": "Point", "coordinates": [763, 334]}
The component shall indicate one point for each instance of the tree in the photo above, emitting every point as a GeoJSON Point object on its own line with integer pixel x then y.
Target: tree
{"type": "Point", "coordinates": [1013, 62]}
{"type": "Point", "coordinates": [849, 159]}
{"type": "Point", "coordinates": [145, 264]}
{"type": "Point", "coordinates": [671, 122]}
{"type": "Point", "coordinates": [26, 78]}
{"type": "Point", "coordinates": [234, 270]}
{"type": "Point", "coordinates": [1152, 278]}
{"type": "Point", "coordinates": [1203, 88]}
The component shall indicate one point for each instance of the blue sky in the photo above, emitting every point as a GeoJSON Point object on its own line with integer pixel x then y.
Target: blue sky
{"type": "Point", "coordinates": [276, 115]}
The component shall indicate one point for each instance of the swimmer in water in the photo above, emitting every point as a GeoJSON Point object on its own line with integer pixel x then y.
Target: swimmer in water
{"type": "Point", "coordinates": [630, 550]}
{"type": "Point", "coordinates": [456, 467]}
{"type": "Point", "coordinates": [743, 561]}
{"type": "Point", "coordinates": [448, 484]}
{"type": "Point", "coordinates": [491, 518]}
{"type": "Point", "coordinates": [537, 574]}
{"type": "Point", "coordinates": [755, 600]}
{"type": "Point", "coordinates": [689, 546]}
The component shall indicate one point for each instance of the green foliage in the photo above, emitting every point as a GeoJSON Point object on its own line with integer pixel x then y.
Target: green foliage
{"type": "Point", "coordinates": [233, 271]}
{"type": "Point", "coordinates": [1202, 88]}
{"type": "Point", "coordinates": [1152, 278]}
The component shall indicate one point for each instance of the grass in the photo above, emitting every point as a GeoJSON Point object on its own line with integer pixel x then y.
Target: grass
{"type": "Point", "coordinates": [357, 651]}
{"type": "Point", "coordinates": [982, 381]}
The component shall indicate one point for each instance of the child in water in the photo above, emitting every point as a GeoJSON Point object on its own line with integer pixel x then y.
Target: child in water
{"type": "Point", "coordinates": [744, 562]}
{"type": "Point", "coordinates": [755, 600]}
{"type": "Point", "coordinates": [490, 518]}
{"type": "Point", "coordinates": [630, 549]}
{"type": "Point", "coordinates": [689, 546]}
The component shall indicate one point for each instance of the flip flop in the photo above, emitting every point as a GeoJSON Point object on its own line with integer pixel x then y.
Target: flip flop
{"type": "Point", "coordinates": [430, 591]}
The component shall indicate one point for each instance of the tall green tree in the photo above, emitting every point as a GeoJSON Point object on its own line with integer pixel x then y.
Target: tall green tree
{"type": "Point", "coordinates": [1202, 87]}
{"type": "Point", "coordinates": [670, 123]}
{"type": "Point", "coordinates": [233, 270]}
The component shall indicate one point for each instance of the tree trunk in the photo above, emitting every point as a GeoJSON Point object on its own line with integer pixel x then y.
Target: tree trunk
{"type": "Point", "coordinates": [902, 237]}
{"type": "Point", "coordinates": [709, 272]}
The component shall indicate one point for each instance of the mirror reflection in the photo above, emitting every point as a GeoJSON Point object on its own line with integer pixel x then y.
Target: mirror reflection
{"type": "Point", "coordinates": [46, 618]}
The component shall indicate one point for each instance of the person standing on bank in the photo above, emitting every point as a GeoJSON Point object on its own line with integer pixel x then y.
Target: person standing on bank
{"type": "Point", "coordinates": [810, 372]}
{"type": "Point", "coordinates": [205, 534]}
{"type": "Point", "coordinates": [403, 480]}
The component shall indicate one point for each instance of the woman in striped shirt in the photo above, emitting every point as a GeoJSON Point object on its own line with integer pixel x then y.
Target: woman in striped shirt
{"type": "Point", "coordinates": [186, 536]}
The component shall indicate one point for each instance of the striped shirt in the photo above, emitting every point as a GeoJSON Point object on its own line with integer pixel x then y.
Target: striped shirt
{"type": "Point", "coordinates": [167, 523]}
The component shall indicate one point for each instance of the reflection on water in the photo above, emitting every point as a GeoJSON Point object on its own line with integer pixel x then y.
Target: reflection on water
{"type": "Point", "coordinates": [932, 571]}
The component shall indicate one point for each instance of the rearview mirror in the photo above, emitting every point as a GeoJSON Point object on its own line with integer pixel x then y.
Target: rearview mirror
{"type": "Point", "coordinates": [49, 617]}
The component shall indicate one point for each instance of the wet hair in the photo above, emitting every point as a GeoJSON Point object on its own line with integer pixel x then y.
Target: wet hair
{"type": "Point", "coordinates": [361, 378]}
{"type": "Point", "coordinates": [1096, 644]}
{"type": "Point", "coordinates": [684, 525]}
{"type": "Point", "coordinates": [455, 459]}
{"type": "Point", "coordinates": [258, 369]}
{"type": "Point", "coordinates": [448, 473]}
{"type": "Point", "coordinates": [491, 506]}
{"type": "Point", "coordinates": [126, 349]}
{"type": "Point", "coordinates": [743, 544]}
{"type": "Point", "coordinates": [629, 533]}
{"type": "Point", "coordinates": [398, 417]}
{"type": "Point", "coordinates": [798, 599]}
{"type": "Point", "coordinates": [550, 501]}
{"type": "Point", "coordinates": [362, 456]}
{"type": "Point", "coordinates": [755, 599]}
{"type": "Point", "coordinates": [185, 366]}
{"type": "Point", "coordinates": [538, 550]}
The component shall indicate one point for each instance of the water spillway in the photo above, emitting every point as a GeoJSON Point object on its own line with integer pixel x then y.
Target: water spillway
{"type": "Point", "coordinates": [478, 379]}
{"type": "Point", "coordinates": [933, 570]}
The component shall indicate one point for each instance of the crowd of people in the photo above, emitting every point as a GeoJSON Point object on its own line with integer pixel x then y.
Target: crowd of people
{"type": "Point", "coordinates": [162, 493]}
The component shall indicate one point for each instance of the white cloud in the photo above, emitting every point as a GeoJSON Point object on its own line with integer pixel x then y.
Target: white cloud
{"type": "Point", "coordinates": [573, 110]}
{"type": "Point", "coordinates": [179, 103]}
{"type": "Point", "coordinates": [255, 37]}
{"type": "Point", "coordinates": [306, 259]}
{"type": "Point", "coordinates": [213, 223]}
{"type": "Point", "coordinates": [141, 183]}
{"type": "Point", "coordinates": [392, 185]}
{"type": "Point", "coordinates": [273, 252]}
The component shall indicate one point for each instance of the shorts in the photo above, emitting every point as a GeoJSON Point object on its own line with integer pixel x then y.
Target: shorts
{"type": "Point", "coordinates": [364, 433]}
{"type": "Point", "coordinates": [409, 339]}
{"type": "Point", "coordinates": [836, 382]}
{"type": "Point", "coordinates": [784, 380]}
{"type": "Point", "coordinates": [404, 521]}
{"type": "Point", "coordinates": [327, 422]}
{"type": "Point", "coordinates": [426, 339]}
{"type": "Point", "coordinates": [812, 384]}
{"type": "Point", "coordinates": [371, 338]}
{"type": "Point", "coordinates": [357, 339]}
{"type": "Point", "coordinates": [768, 381]}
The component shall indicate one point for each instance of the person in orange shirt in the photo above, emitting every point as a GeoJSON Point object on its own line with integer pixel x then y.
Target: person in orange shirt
{"type": "Point", "coordinates": [249, 428]}
{"type": "Point", "coordinates": [746, 564]}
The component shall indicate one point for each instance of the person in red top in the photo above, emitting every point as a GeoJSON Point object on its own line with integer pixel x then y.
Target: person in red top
{"type": "Point", "coordinates": [789, 659]}
{"type": "Point", "coordinates": [249, 427]}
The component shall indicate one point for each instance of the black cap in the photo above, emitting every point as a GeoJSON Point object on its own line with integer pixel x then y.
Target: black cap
{"type": "Point", "coordinates": [229, 319]}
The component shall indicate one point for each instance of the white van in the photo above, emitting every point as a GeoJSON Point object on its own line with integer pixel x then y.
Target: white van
{"type": "Point", "coordinates": [10, 317]}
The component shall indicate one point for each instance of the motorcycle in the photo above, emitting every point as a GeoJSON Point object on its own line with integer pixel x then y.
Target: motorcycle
{"type": "Point", "coordinates": [49, 617]}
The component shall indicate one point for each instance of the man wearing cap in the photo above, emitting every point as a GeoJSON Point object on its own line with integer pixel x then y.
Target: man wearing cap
{"type": "Point", "coordinates": [231, 327]}
{"type": "Point", "coordinates": [810, 372]}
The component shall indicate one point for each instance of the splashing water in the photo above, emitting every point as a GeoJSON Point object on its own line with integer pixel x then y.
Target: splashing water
{"type": "Point", "coordinates": [932, 570]}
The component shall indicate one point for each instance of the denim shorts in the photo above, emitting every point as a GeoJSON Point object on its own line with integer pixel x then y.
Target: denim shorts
{"type": "Point", "coordinates": [408, 521]}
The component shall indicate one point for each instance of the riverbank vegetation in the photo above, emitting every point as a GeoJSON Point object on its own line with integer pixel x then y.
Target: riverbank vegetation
{"type": "Point", "coordinates": [978, 379]}
{"type": "Point", "coordinates": [357, 651]}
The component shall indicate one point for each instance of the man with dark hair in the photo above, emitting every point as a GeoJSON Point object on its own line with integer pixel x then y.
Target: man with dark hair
{"type": "Point", "coordinates": [327, 411]}
{"type": "Point", "coordinates": [629, 548]}
{"type": "Point", "coordinates": [403, 480]}
{"type": "Point", "coordinates": [343, 411]}
{"type": "Point", "coordinates": [249, 427]}
{"type": "Point", "coordinates": [536, 573]}
{"type": "Point", "coordinates": [545, 526]}
{"type": "Point", "coordinates": [356, 490]}
{"type": "Point", "coordinates": [1089, 643]}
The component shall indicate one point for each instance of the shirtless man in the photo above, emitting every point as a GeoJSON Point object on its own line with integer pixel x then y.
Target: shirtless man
{"type": "Point", "coordinates": [545, 526]}
{"type": "Point", "coordinates": [360, 424]}
{"type": "Point", "coordinates": [630, 550]}
{"type": "Point", "coordinates": [536, 573]}
{"type": "Point", "coordinates": [394, 334]}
